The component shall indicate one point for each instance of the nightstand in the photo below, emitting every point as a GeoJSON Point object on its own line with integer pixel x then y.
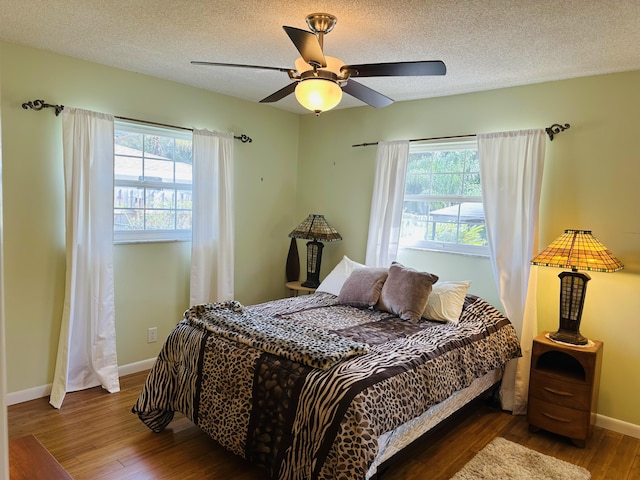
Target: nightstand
{"type": "Point", "coordinates": [296, 287]}
{"type": "Point", "coordinates": [563, 388]}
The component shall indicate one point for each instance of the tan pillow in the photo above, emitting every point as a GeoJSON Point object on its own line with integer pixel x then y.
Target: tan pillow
{"type": "Point", "coordinates": [336, 278]}
{"type": "Point", "coordinates": [406, 291]}
{"type": "Point", "coordinates": [363, 286]}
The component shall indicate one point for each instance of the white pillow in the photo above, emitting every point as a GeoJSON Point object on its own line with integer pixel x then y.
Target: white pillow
{"type": "Point", "coordinates": [445, 301]}
{"type": "Point", "coordinates": [334, 281]}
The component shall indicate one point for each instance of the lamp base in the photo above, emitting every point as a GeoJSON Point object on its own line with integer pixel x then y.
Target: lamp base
{"type": "Point", "coordinates": [314, 257]}
{"type": "Point", "coordinates": [565, 336]}
{"type": "Point", "coordinates": [573, 288]}
{"type": "Point", "coordinates": [311, 284]}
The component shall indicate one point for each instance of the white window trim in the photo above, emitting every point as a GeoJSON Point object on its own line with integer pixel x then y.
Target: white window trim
{"type": "Point", "coordinates": [475, 250]}
{"type": "Point", "coordinates": [151, 236]}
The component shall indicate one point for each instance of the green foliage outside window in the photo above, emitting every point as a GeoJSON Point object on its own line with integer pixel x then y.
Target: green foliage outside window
{"type": "Point", "coordinates": [443, 198]}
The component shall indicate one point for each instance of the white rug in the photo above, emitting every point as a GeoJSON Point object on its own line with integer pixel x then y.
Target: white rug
{"type": "Point", "coordinates": [502, 459]}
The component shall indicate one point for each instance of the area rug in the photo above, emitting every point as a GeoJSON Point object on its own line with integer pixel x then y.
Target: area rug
{"type": "Point", "coordinates": [502, 459]}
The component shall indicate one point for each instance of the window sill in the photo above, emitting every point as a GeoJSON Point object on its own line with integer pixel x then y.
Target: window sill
{"type": "Point", "coordinates": [133, 242]}
{"type": "Point", "coordinates": [447, 252]}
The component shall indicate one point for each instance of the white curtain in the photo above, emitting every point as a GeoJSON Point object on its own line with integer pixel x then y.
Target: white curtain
{"type": "Point", "coordinates": [87, 345]}
{"type": "Point", "coordinates": [386, 203]}
{"type": "Point", "coordinates": [212, 247]}
{"type": "Point", "coordinates": [511, 167]}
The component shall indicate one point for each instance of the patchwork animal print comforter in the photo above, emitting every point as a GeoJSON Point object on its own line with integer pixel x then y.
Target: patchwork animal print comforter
{"type": "Point", "coordinates": [281, 337]}
{"type": "Point", "coordinates": [300, 422]}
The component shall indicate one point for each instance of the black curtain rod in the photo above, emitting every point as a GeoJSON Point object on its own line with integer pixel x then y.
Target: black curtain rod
{"type": "Point", "coordinates": [40, 105]}
{"type": "Point", "coordinates": [551, 131]}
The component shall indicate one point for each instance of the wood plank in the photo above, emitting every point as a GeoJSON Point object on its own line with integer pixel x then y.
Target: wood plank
{"type": "Point", "coordinates": [29, 460]}
{"type": "Point", "coordinates": [603, 458]}
{"type": "Point", "coordinates": [627, 452]}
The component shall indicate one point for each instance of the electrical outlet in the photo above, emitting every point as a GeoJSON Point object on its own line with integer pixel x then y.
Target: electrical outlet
{"type": "Point", "coordinates": [152, 335]}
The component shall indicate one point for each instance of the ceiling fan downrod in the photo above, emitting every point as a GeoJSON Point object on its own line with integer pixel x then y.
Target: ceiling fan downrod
{"type": "Point", "coordinates": [321, 24]}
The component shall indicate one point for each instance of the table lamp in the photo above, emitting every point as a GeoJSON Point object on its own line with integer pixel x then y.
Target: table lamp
{"type": "Point", "coordinates": [316, 229]}
{"type": "Point", "coordinates": [577, 250]}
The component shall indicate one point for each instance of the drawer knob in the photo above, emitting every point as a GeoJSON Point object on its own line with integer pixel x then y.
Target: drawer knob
{"type": "Point", "coordinates": [558, 392]}
{"type": "Point", "coordinates": [558, 419]}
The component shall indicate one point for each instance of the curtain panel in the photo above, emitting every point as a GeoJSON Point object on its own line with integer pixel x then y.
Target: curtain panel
{"type": "Point", "coordinates": [511, 167]}
{"type": "Point", "coordinates": [212, 246]}
{"type": "Point", "coordinates": [87, 345]}
{"type": "Point", "coordinates": [386, 203]}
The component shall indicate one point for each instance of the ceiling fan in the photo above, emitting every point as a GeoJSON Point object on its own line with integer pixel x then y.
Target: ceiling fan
{"type": "Point", "coordinates": [319, 80]}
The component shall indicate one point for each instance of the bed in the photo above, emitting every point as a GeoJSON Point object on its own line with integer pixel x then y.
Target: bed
{"type": "Point", "coordinates": [325, 386]}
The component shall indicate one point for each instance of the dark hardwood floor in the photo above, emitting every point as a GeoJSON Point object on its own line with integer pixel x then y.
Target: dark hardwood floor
{"type": "Point", "coordinates": [96, 437]}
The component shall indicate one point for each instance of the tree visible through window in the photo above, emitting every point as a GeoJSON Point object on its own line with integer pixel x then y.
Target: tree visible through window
{"type": "Point", "coordinates": [443, 199]}
{"type": "Point", "coordinates": [152, 183]}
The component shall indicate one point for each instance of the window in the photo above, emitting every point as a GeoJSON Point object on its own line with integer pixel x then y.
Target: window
{"type": "Point", "coordinates": [443, 199]}
{"type": "Point", "coordinates": [152, 183]}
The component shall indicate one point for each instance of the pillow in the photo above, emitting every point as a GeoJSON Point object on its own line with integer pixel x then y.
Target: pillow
{"type": "Point", "coordinates": [445, 301]}
{"type": "Point", "coordinates": [334, 281]}
{"type": "Point", "coordinates": [405, 292]}
{"type": "Point", "coordinates": [363, 287]}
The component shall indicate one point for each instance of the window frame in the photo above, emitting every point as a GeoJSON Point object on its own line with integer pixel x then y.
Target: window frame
{"type": "Point", "coordinates": [434, 245]}
{"type": "Point", "coordinates": [151, 235]}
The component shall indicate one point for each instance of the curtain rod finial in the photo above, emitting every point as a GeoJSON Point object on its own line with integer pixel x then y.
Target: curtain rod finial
{"type": "Point", "coordinates": [555, 129]}
{"type": "Point", "coordinates": [38, 105]}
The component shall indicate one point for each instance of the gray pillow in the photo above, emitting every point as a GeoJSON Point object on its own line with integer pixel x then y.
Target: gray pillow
{"type": "Point", "coordinates": [406, 291]}
{"type": "Point", "coordinates": [363, 286]}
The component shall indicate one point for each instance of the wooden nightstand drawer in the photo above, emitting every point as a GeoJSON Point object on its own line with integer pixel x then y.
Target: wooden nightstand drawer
{"type": "Point", "coordinates": [554, 418]}
{"type": "Point", "coordinates": [560, 391]}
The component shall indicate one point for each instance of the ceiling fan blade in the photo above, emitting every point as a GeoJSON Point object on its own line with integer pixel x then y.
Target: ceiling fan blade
{"type": "Point", "coordinates": [308, 45]}
{"type": "Point", "coordinates": [396, 69]}
{"type": "Point", "coordinates": [366, 94]}
{"type": "Point", "coordinates": [260, 67]}
{"type": "Point", "coordinates": [280, 94]}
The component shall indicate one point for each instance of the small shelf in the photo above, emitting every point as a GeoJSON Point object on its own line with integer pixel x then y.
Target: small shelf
{"type": "Point", "coordinates": [560, 363]}
{"type": "Point", "coordinates": [296, 287]}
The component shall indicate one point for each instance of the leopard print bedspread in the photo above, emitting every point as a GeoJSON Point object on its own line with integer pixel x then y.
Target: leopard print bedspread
{"type": "Point", "coordinates": [294, 341]}
{"type": "Point", "coordinates": [300, 422]}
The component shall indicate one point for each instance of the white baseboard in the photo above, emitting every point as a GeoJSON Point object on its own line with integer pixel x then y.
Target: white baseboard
{"type": "Point", "coordinates": [618, 426]}
{"type": "Point", "coordinates": [45, 390]}
{"type": "Point", "coordinates": [136, 367]}
{"type": "Point", "coordinates": [28, 394]}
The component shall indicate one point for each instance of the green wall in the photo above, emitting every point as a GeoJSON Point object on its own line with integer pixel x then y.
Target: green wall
{"type": "Point", "coordinates": [305, 164]}
{"type": "Point", "coordinates": [151, 279]}
{"type": "Point", "coordinates": [591, 181]}
{"type": "Point", "coordinates": [4, 440]}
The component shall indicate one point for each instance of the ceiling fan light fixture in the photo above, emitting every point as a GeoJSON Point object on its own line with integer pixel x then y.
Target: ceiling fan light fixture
{"type": "Point", "coordinates": [318, 94]}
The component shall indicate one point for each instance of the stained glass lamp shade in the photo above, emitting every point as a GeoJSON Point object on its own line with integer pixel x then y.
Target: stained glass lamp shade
{"type": "Point", "coordinates": [316, 229]}
{"type": "Point", "coordinates": [575, 250]}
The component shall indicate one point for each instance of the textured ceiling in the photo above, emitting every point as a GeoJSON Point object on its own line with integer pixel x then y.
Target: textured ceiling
{"type": "Point", "coordinates": [485, 44]}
